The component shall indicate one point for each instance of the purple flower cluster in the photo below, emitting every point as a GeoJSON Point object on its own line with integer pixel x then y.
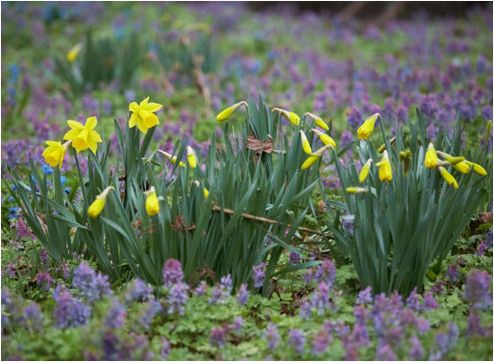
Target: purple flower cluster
{"type": "Point", "coordinates": [93, 286]}
{"type": "Point", "coordinates": [221, 290]}
{"type": "Point", "coordinates": [297, 340]}
{"type": "Point", "coordinates": [138, 291]}
{"type": "Point", "coordinates": [115, 317]}
{"type": "Point", "coordinates": [258, 274]}
{"type": "Point", "coordinates": [152, 309]}
{"type": "Point", "coordinates": [272, 336]}
{"type": "Point", "coordinates": [477, 289]}
{"type": "Point", "coordinates": [69, 311]}
{"type": "Point", "coordinates": [178, 298]}
{"type": "Point", "coordinates": [326, 272]}
{"type": "Point", "coordinates": [242, 294]}
{"type": "Point", "coordinates": [172, 272]}
{"type": "Point", "coordinates": [217, 336]}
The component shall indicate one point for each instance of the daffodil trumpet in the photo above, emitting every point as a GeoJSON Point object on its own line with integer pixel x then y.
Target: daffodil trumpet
{"type": "Point", "coordinates": [313, 157]}
{"type": "Point", "coordinates": [325, 138]}
{"type": "Point", "coordinates": [431, 160]}
{"type": "Point", "coordinates": [172, 159]}
{"type": "Point", "coordinates": [367, 128]}
{"type": "Point", "coordinates": [54, 153]}
{"type": "Point", "coordinates": [96, 208]}
{"type": "Point", "coordinates": [292, 117]}
{"type": "Point", "coordinates": [385, 172]}
{"type": "Point", "coordinates": [318, 121]}
{"type": "Point", "coordinates": [227, 112]}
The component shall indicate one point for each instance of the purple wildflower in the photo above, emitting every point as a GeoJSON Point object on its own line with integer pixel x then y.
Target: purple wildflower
{"type": "Point", "coordinates": [477, 289]}
{"type": "Point", "coordinates": [347, 222]}
{"type": "Point", "coordinates": [422, 325]}
{"type": "Point", "coordinates": [217, 336]}
{"type": "Point", "coordinates": [221, 290]}
{"type": "Point", "coordinates": [153, 308]}
{"type": "Point", "coordinates": [138, 291]}
{"type": "Point", "coordinates": [43, 256]}
{"type": "Point", "coordinates": [44, 280]}
{"type": "Point", "coordinates": [178, 298]}
{"type": "Point", "coordinates": [201, 289]}
{"type": "Point", "coordinates": [294, 257]}
{"type": "Point", "coordinates": [33, 317]}
{"type": "Point", "coordinates": [413, 301]}
{"type": "Point", "coordinates": [93, 286]}
{"type": "Point", "coordinates": [474, 327]}
{"type": "Point", "coordinates": [365, 296]}
{"type": "Point", "coordinates": [165, 348]}
{"type": "Point", "coordinates": [237, 324]}
{"type": "Point", "coordinates": [69, 311]}
{"type": "Point", "coordinates": [110, 346]}
{"type": "Point", "coordinates": [115, 317]}
{"type": "Point", "coordinates": [242, 294]}
{"type": "Point", "coordinates": [321, 341]}
{"type": "Point", "coordinates": [326, 272]}
{"type": "Point", "coordinates": [452, 273]}
{"type": "Point", "coordinates": [320, 298]}
{"type": "Point", "coordinates": [273, 336]}
{"type": "Point", "coordinates": [416, 351]}
{"type": "Point", "coordinates": [429, 302]}
{"type": "Point", "coordinates": [297, 339]}
{"type": "Point", "coordinates": [11, 270]}
{"type": "Point", "coordinates": [258, 274]}
{"type": "Point", "coordinates": [172, 272]}
{"type": "Point", "coordinates": [308, 276]}
{"type": "Point", "coordinates": [385, 353]}
{"type": "Point", "coordinates": [305, 310]}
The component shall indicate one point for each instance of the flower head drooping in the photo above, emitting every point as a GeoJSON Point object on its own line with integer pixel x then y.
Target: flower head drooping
{"type": "Point", "coordinates": [305, 143]}
{"type": "Point", "coordinates": [385, 172]}
{"type": "Point", "coordinates": [325, 138]}
{"type": "Point", "coordinates": [292, 117]}
{"type": "Point", "coordinates": [313, 157]}
{"type": "Point", "coordinates": [73, 53]}
{"type": "Point", "coordinates": [55, 153]}
{"type": "Point", "coordinates": [450, 180]}
{"type": "Point", "coordinates": [143, 115]}
{"type": "Point", "coordinates": [99, 203]}
{"type": "Point", "coordinates": [366, 129]}
{"type": "Point", "coordinates": [172, 273]}
{"type": "Point", "coordinates": [172, 159]}
{"type": "Point", "coordinates": [83, 136]}
{"type": "Point", "coordinates": [152, 202]}
{"type": "Point", "coordinates": [227, 112]}
{"type": "Point", "coordinates": [364, 172]}
{"type": "Point", "coordinates": [318, 121]}
{"type": "Point", "coordinates": [191, 157]}
{"type": "Point", "coordinates": [431, 159]}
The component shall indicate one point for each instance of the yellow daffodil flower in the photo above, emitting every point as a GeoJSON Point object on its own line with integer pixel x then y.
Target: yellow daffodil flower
{"type": "Point", "coordinates": [385, 172]}
{"type": "Point", "coordinates": [191, 157]}
{"type": "Point", "coordinates": [83, 136]}
{"type": "Point", "coordinates": [292, 117]}
{"type": "Point", "coordinates": [172, 159]}
{"type": "Point", "coordinates": [366, 129]}
{"type": "Point", "coordinates": [364, 172]}
{"type": "Point", "coordinates": [325, 138]}
{"type": "Point", "coordinates": [55, 153]}
{"type": "Point", "coordinates": [478, 169]}
{"type": "Point", "coordinates": [431, 160]}
{"type": "Point", "coordinates": [152, 202]}
{"type": "Point", "coordinates": [205, 193]}
{"type": "Point", "coordinates": [450, 180]}
{"type": "Point", "coordinates": [318, 121]}
{"type": "Point", "coordinates": [73, 53]}
{"type": "Point", "coordinates": [98, 204]}
{"type": "Point", "coordinates": [143, 115]}
{"type": "Point", "coordinates": [356, 190]}
{"type": "Point", "coordinates": [227, 112]}
{"type": "Point", "coordinates": [305, 143]}
{"type": "Point", "coordinates": [313, 157]}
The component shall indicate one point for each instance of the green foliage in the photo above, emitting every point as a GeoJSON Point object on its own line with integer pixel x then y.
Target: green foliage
{"type": "Point", "coordinates": [102, 61]}
{"type": "Point", "coordinates": [402, 227]}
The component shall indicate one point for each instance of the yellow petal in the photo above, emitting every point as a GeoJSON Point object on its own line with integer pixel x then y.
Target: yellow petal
{"type": "Point", "coordinates": [95, 137]}
{"type": "Point", "coordinates": [153, 107]}
{"type": "Point", "coordinates": [133, 120]}
{"type": "Point", "coordinates": [431, 159]}
{"type": "Point", "coordinates": [133, 107]}
{"type": "Point", "coordinates": [91, 123]}
{"type": "Point", "coordinates": [309, 162]}
{"type": "Point", "coordinates": [305, 143]}
{"type": "Point", "coordinates": [366, 129]}
{"type": "Point", "coordinates": [75, 125]}
{"type": "Point", "coordinates": [96, 208]}
{"type": "Point", "coordinates": [325, 138]}
{"type": "Point", "coordinates": [144, 102]}
{"type": "Point", "coordinates": [364, 172]}
{"type": "Point", "coordinates": [385, 172]}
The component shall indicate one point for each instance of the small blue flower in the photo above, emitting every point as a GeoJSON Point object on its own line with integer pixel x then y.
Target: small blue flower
{"type": "Point", "coordinates": [47, 170]}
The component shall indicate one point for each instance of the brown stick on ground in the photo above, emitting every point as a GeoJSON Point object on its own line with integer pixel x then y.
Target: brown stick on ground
{"type": "Point", "coordinates": [262, 219]}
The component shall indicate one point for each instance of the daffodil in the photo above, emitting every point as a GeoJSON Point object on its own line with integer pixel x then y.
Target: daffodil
{"type": "Point", "coordinates": [55, 153]}
{"type": "Point", "coordinates": [385, 172]}
{"type": "Point", "coordinates": [292, 117]}
{"type": "Point", "coordinates": [305, 143]}
{"type": "Point", "coordinates": [73, 53]}
{"type": "Point", "coordinates": [325, 138]}
{"type": "Point", "coordinates": [143, 115]}
{"type": "Point", "coordinates": [462, 167]}
{"type": "Point", "coordinates": [313, 157]}
{"type": "Point", "coordinates": [356, 190]}
{"type": "Point", "coordinates": [98, 204]}
{"type": "Point", "coordinates": [478, 169]}
{"type": "Point", "coordinates": [191, 157]}
{"type": "Point", "coordinates": [318, 121]}
{"type": "Point", "coordinates": [364, 172]}
{"type": "Point", "coordinates": [83, 136]}
{"type": "Point", "coordinates": [205, 193]}
{"type": "Point", "coordinates": [172, 159]}
{"type": "Point", "coordinates": [431, 159]}
{"type": "Point", "coordinates": [450, 180]}
{"type": "Point", "coordinates": [227, 112]}
{"type": "Point", "coordinates": [152, 202]}
{"type": "Point", "coordinates": [366, 129]}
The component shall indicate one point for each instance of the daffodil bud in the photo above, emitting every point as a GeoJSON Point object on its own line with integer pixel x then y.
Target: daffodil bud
{"type": "Point", "coordinates": [366, 129]}
{"type": "Point", "coordinates": [325, 138]}
{"type": "Point", "coordinates": [227, 112]}
{"type": "Point", "coordinates": [356, 190]}
{"type": "Point", "coordinates": [431, 160]}
{"type": "Point", "coordinates": [309, 162]}
{"type": "Point", "coordinates": [205, 193]}
{"type": "Point", "coordinates": [191, 157]}
{"type": "Point", "coordinates": [305, 143]}
{"type": "Point", "coordinates": [152, 202]}
{"type": "Point", "coordinates": [318, 121]}
{"type": "Point", "coordinates": [385, 172]}
{"type": "Point", "coordinates": [478, 169]}
{"type": "Point", "coordinates": [462, 167]}
{"type": "Point", "coordinates": [73, 53]}
{"type": "Point", "coordinates": [364, 172]}
{"type": "Point", "coordinates": [172, 159]}
{"type": "Point", "coordinates": [450, 180]}
{"type": "Point", "coordinates": [292, 117]}
{"type": "Point", "coordinates": [96, 208]}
